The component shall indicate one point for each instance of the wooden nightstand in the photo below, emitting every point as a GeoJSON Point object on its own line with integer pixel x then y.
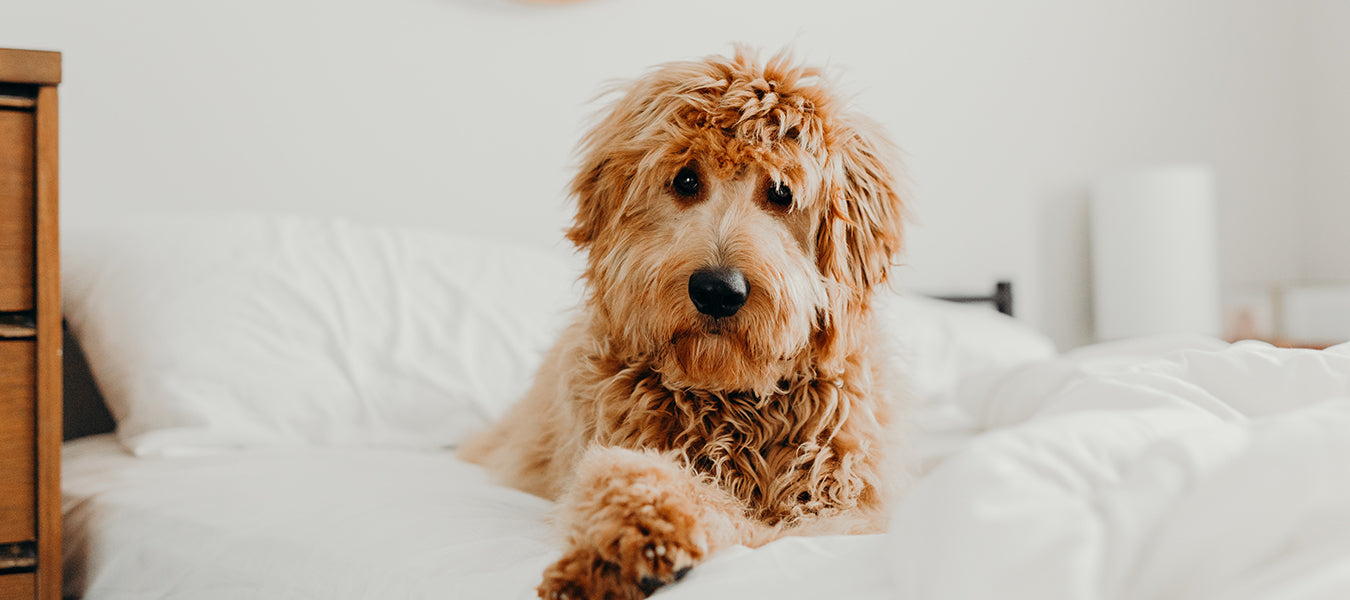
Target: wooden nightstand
{"type": "Point", "coordinates": [1306, 344]}
{"type": "Point", "coordinates": [1280, 342]}
{"type": "Point", "coordinates": [30, 329]}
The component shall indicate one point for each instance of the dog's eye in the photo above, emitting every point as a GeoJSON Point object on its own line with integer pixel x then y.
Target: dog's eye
{"type": "Point", "coordinates": [685, 183]}
{"type": "Point", "coordinates": [779, 195]}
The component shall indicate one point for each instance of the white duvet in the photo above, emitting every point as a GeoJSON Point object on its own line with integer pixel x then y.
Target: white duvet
{"type": "Point", "coordinates": [1132, 471]}
{"type": "Point", "coordinates": [340, 523]}
{"type": "Point", "coordinates": [1156, 469]}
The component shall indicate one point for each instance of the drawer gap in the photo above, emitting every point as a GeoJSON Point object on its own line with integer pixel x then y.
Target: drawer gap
{"type": "Point", "coordinates": [18, 325]}
{"type": "Point", "coordinates": [18, 557]}
{"type": "Point", "coordinates": [23, 97]}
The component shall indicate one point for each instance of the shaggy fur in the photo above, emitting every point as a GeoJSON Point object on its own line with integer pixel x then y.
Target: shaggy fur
{"type": "Point", "coordinates": [667, 434]}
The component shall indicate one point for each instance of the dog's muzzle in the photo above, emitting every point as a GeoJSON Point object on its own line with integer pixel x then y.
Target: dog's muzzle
{"type": "Point", "coordinates": [718, 292]}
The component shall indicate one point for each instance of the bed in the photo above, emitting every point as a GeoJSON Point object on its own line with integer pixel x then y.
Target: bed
{"type": "Point", "coordinates": [288, 393]}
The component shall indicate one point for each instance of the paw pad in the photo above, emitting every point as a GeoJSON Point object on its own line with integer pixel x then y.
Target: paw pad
{"type": "Point", "coordinates": [650, 584]}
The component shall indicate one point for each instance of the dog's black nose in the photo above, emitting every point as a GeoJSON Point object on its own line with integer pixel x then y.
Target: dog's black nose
{"type": "Point", "coordinates": [718, 292]}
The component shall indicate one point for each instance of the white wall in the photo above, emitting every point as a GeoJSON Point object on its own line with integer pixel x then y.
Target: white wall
{"type": "Point", "coordinates": [462, 114]}
{"type": "Point", "coordinates": [1327, 250]}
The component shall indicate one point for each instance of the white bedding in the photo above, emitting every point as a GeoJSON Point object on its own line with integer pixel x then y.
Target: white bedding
{"type": "Point", "coordinates": [1146, 469]}
{"type": "Point", "coordinates": [334, 523]}
{"type": "Point", "coordinates": [1158, 469]}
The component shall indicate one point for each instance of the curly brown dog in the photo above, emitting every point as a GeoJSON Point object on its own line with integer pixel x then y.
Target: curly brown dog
{"type": "Point", "coordinates": [722, 383]}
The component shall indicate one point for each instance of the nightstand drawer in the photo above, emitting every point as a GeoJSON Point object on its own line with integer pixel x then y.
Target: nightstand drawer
{"type": "Point", "coordinates": [16, 209]}
{"type": "Point", "coordinates": [18, 585]}
{"type": "Point", "coordinates": [18, 490]}
{"type": "Point", "coordinates": [30, 328]}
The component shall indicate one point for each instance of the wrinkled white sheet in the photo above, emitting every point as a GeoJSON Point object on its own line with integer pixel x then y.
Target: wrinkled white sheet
{"type": "Point", "coordinates": [1149, 469]}
{"type": "Point", "coordinates": [1114, 472]}
{"type": "Point", "coordinates": [333, 524]}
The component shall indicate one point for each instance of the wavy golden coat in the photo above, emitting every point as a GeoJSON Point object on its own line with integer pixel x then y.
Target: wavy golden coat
{"type": "Point", "coordinates": [667, 433]}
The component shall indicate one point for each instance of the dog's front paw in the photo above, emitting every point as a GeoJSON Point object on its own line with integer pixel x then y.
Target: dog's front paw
{"type": "Point", "coordinates": [662, 566]}
{"type": "Point", "coordinates": [654, 547]}
{"type": "Point", "coordinates": [636, 522]}
{"type": "Point", "coordinates": [626, 561]}
{"type": "Point", "coordinates": [581, 575]}
{"type": "Point", "coordinates": [636, 525]}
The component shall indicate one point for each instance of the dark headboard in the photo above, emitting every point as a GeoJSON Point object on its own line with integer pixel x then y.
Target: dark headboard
{"type": "Point", "coordinates": [83, 408]}
{"type": "Point", "coordinates": [1002, 298]}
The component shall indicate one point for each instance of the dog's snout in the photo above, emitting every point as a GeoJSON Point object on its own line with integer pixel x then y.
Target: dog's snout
{"type": "Point", "coordinates": [718, 292]}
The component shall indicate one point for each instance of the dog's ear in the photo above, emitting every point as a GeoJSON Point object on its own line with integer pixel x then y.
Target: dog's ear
{"type": "Point", "coordinates": [591, 188]}
{"type": "Point", "coordinates": [863, 225]}
{"type": "Point", "coordinates": [607, 169]}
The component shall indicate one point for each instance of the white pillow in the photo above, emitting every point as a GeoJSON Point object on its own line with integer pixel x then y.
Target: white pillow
{"type": "Point", "coordinates": [937, 344]}
{"type": "Point", "coordinates": [209, 333]}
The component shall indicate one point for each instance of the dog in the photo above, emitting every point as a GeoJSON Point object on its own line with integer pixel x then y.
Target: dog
{"type": "Point", "coordinates": [722, 383]}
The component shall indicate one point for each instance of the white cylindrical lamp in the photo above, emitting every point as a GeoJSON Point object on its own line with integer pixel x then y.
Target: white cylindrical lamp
{"type": "Point", "coordinates": [1154, 258]}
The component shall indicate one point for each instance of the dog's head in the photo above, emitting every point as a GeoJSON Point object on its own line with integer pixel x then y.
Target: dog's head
{"type": "Point", "coordinates": [736, 219]}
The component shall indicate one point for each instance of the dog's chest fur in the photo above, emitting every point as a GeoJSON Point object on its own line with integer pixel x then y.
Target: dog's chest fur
{"type": "Point", "coordinates": [807, 451]}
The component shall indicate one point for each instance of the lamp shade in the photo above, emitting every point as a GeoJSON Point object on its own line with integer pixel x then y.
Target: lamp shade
{"type": "Point", "coordinates": [1155, 267]}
